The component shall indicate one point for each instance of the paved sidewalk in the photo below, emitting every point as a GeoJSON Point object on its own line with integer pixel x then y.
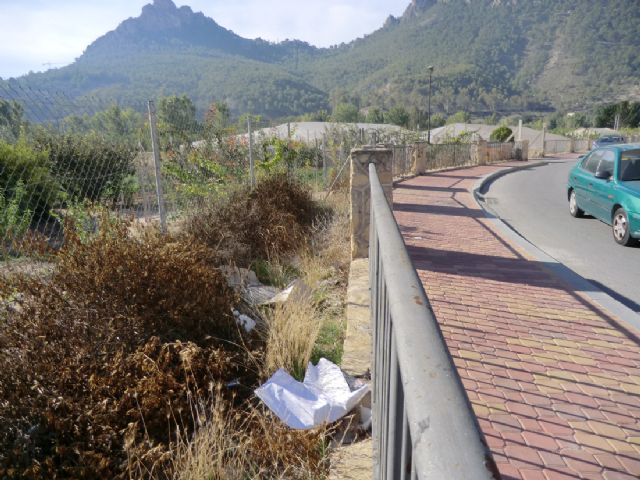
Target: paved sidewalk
{"type": "Point", "coordinates": [554, 380]}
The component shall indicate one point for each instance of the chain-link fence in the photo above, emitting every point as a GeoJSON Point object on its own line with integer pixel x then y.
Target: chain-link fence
{"type": "Point", "coordinates": [422, 157]}
{"type": "Point", "coordinates": [63, 159]}
{"type": "Point", "coordinates": [58, 160]}
{"type": "Point", "coordinates": [569, 145]}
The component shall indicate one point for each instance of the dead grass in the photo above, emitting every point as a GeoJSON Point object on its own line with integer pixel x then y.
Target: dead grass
{"type": "Point", "coordinates": [250, 444]}
{"type": "Point", "coordinates": [116, 364]}
{"type": "Point", "coordinates": [316, 304]}
{"type": "Point", "coordinates": [293, 328]}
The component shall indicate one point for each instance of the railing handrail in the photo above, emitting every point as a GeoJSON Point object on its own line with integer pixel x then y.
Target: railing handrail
{"type": "Point", "coordinates": [416, 384]}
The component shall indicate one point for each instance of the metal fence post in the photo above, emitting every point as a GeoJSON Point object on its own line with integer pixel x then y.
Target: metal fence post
{"type": "Point", "coordinates": [252, 173]}
{"type": "Point", "coordinates": [324, 162]}
{"type": "Point", "coordinates": [156, 160]}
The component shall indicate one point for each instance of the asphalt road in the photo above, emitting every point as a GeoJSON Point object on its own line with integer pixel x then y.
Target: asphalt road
{"type": "Point", "coordinates": [534, 203]}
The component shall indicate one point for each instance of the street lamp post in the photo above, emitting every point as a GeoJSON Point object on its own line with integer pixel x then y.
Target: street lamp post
{"type": "Point", "coordinates": [430, 68]}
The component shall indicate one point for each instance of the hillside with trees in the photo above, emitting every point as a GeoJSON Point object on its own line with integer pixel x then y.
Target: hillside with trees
{"type": "Point", "coordinates": [489, 56]}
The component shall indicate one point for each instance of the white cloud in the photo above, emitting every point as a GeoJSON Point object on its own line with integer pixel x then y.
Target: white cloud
{"type": "Point", "coordinates": [38, 32]}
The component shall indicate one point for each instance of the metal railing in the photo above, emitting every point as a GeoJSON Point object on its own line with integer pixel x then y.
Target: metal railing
{"type": "Point", "coordinates": [568, 145]}
{"type": "Point", "coordinates": [402, 159]}
{"type": "Point", "coordinates": [424, 427]}
{"type": "Point", "coordinates": [441, 156]}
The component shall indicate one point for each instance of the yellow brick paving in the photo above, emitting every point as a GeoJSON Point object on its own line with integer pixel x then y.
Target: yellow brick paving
{"type": "Point", "coordinates": [553, 378]}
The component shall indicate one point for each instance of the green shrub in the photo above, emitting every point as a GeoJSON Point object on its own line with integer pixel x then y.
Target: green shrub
{"type": "Point", "coordinates": [20, 165]}
{"type": "Point", "coordinates": [87, 166]}
{"type": "Point", "coordinates": [501, 134]}
{"type": "Point", "coordinates": [14, 221]}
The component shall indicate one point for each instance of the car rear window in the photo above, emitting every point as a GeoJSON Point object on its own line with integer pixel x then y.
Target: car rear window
{"type": "Point", "coordinates": [630, 165]}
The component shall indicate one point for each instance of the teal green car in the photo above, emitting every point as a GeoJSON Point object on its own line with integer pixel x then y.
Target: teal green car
{"type": "Point", "coordinates": [605, 183]}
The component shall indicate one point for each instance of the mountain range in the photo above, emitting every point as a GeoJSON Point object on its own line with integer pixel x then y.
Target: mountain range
{"type": "Point", "coordinates": [488, 56]}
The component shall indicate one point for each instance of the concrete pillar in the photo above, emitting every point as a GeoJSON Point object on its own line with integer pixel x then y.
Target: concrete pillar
{"type": "Point", "coordinates": [360, 193]}
{"type": "Point", "coordinates": [482, 152]}
{"type": "Point", "coordinates": [525, 150]}
{"type": "Point", "coordinates": [419, 160]}
{"type": "Point", "coordinates": [519, 139]}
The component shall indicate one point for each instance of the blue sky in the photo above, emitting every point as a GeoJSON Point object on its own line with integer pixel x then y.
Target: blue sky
{"type": "Point", "coordinates": [40, 34]}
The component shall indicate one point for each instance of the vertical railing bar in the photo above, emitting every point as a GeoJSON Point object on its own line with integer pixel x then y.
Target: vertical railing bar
{"type": "Point", "coordinates": [380, 363]}
{"type": "Point", "coordinates": [389, 405]}
{"type": "Point", "coordinates": [382, 322]}
{"type": "Point", "coordinates": [385, 372]}
{"type": "Point", "coordinates": [405, 453]}
{"type": "Point", "coordinates": [373, 282]}
{"type": "Point", "coordinates": [395, 413]}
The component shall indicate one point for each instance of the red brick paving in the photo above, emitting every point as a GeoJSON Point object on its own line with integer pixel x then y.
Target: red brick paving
{"type": "Point", "coordinates": [553, 379]}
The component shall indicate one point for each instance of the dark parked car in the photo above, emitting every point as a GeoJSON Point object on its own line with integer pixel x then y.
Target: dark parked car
{"type": "Point", "coordinates": [606, 184]}
{"type": "Point", "coordinates": [607, 140]}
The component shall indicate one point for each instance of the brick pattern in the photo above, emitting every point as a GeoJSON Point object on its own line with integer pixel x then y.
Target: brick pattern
{"type": "Point", "coordinates": [554, 380]}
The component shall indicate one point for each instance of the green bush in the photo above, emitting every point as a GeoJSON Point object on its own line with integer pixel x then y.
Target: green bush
{"type": "Point", "coordinates": [88, 167]}
{"type": "Point", "coordinates": [26, 180]}
{"type": "Point", "coordinates": [14, 220]}
{"type": "Point", "coordinates": [501, 134]}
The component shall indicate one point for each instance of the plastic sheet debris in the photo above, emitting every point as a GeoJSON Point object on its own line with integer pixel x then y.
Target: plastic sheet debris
{"type": "Point", "coordinates": [244, 321]}
{"type": "Point", "coordinates": [246, 282]}
{"type": "Point", "coordinates": [282, 296]}
{"type": "Point", "coordinates": [323, 397]}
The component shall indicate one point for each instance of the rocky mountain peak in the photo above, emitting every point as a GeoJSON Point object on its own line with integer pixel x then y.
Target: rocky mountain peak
{"type": "Point", "coordinates": [164, 4]}
{"type": "Point", "coordinates": [417, 6]}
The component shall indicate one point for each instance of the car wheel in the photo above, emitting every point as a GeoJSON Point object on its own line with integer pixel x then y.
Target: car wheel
{"type": "Point", "coordinates": [574, 210]}
{"type": "Point", "coordinates": [620, 225]}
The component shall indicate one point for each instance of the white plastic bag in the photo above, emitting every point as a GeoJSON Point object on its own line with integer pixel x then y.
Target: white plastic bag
{"type": "Point", "coordinates": [323, 397]}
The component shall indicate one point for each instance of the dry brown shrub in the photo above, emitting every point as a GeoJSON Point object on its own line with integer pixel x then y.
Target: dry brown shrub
{"type": "Point", "coordinates": [170, 285]}
{"type": "Point", "coordinates": [269, 221]}
{"type": "Point", "coordinates": [99, 360]}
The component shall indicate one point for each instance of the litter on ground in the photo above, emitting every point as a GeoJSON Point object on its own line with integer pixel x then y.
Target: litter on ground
{"type": "Point", "coordinates": [323, 397]}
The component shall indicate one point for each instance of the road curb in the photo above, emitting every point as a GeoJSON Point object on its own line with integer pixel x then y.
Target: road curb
{"type": "Point", "coordinates": [484, 182]}
{"type": "Point", "coordinates": [627, 317]}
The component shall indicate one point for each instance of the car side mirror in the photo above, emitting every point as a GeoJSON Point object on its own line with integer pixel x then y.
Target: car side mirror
{"type": "Point", "coordinates": [604, 174]}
